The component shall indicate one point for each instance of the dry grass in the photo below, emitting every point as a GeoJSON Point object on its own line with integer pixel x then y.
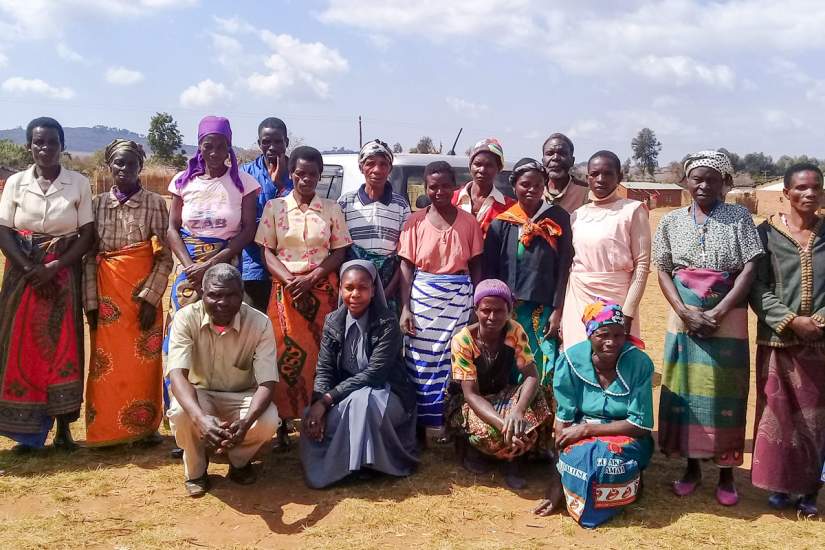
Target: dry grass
{"type": "Point", "coordinates": [133, 498]}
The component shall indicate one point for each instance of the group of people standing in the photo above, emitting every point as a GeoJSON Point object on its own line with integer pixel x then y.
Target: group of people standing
{"type": "Point", "coordinates": [508, 324]}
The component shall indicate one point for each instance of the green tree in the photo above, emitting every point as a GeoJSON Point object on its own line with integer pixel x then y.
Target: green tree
{"type": "Point", "coordinates": [14, 156]}
{"type": "Point", "coordinates": [759, 165]}
{"type": "Point", "coordinates": [646, 149]}
{"type": "Point", "coordinates": [166, 141]}
{"type": "Point", "coordinates": [425, 146]}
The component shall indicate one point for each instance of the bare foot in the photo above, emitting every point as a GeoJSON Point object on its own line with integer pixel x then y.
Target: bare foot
{"type": "Point", "coordinates": [554, 501]}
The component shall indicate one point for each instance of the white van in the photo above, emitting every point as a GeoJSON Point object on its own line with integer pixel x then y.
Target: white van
{"type": "Point", "coordinates": [341, 174]}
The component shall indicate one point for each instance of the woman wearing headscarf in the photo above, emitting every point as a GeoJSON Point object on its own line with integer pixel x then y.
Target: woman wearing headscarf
{"type": "Point", "coordinates": [375, 216]}
{"type": "Point", "coordinates": [499, 410]}
{"type": "Point", "coordinates": [46, 226]}
{"type": "Point", "coordinates": [362, 417]}
{"type": "Point", "coordinates": [706, 256]}
{"type": "Point", "coordinates": [788, 296]}
{"type": "Point", "coordinates": [480, 197]}
{"type": "Point", "coordinates": [604, 390]}
{"type": "Point", "coordinates": [530, 247]}
{"type": "Point", "coordinates": [611, 241]}
{"type": "Point", "coordinates": [304, 238]}
{"type": "Point", "coordinates": [440, 248]}
{"type": "Point", "coordinates": [211, 218]}
{"type": "Point", "coordinates": [125, 278]}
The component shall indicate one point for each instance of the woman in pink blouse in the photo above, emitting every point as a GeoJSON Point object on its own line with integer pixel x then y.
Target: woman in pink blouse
{"type": "Point", "coordinates": [304, 238]}
{"type": "Point", "coordinates": [611, 239]}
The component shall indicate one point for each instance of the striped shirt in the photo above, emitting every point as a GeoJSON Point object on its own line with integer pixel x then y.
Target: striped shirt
{"type": "Point", "coordinates": [375, 225]}
{"type": "Point", "coordinates": [142, 217]}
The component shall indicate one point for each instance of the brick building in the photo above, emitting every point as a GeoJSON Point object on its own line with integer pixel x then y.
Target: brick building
{"type": "Point", "coordinates": [653, 194]}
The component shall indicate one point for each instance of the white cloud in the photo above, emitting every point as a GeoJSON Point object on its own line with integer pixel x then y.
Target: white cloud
{"type": "Point", "coordinates": [4, 60]}
{"type": "Point", "coordinates": [296, 67]}
{"type": "Point", "coordinates": [466, 108]}
{"type": "Point", "coordinates": [442, 19]}
{"type": "Point", "coordinates": [203, 94]}
{"type": "Point", "coordinates": [229, 50]}
{"type": "Point", "coordinates": [585, 129]}
{"type": "Point", "coordinates": [20, 86]}
{"type": "Point", "coordinates": [121, 76]}
{"type": "Point", "coordinates": [776, 119]}
{"type": "Point", "coordinates": [65, 53]}
{"type": "Point", "coordinates": [677, 41]}
{"type": "Point", "coordinates": [681, 70]}
{"type": "Point", "coordinates": [233, 25]}
{"type": "Point", "coordinates": [45, 19]}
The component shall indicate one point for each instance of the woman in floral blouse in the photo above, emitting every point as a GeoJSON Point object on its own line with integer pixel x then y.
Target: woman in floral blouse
{"type": "Point", "coordinates": [304, 238]}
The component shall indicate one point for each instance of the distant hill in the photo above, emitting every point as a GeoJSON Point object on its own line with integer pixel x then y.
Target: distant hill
{"type": "Point", "coordinates": [84, 139]}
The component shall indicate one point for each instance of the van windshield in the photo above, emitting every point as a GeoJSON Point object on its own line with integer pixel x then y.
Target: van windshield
{"type": "Point", "coordinates": [409, 181]}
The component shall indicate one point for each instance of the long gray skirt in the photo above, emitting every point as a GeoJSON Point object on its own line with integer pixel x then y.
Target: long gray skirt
{"type": "Point", "coordinates": [368, 429]}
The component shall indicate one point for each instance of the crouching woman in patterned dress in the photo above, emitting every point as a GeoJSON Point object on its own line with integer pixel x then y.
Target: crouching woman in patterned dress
{"type": "Point", "coordinates": [604, 391]}
{"type": "Point", "coordinates": [499, 409]}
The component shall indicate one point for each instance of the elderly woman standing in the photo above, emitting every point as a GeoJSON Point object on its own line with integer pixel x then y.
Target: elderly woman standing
{"type": "Point", "coordinates": [212, 216]}
{"type": "Point", "coordinates": [480, 197]}
{"type": "Point", "coordinates": [46, 226]}
{"type": "Point", "coordinates": [363, 406]}
{"type": "Point", "coordinates": [611, 239]}
{"type": "Point", "coordinates": [499, 411]}
{"type": "Point", "coordinates": [375, 216]}
{"type": "Point", "coordinates": [706, 256]}
{"type": "Point", "coordinates": [604, 390]}
{"type": "Point", "coordinates": [530, 247]}
{"type": "Point", "coordinates": [126, 274]}
{"type": "Point", "coordinates": [304, 238]}
{"type": "Point", "coordinates": [788, 296]}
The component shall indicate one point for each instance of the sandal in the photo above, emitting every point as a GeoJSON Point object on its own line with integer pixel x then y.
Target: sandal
{"type": "Point", "coordinates": [807, 507]}
{"type": "Point", "coordinates": [727, 498]}
{"type": "Point", "coordinates": [684, 488]}
{"type": "Point", "coordinates": [780, 501]}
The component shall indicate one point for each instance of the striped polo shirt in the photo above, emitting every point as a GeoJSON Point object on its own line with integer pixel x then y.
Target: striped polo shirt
{"type": "Point", "coordinates": [375, 225]}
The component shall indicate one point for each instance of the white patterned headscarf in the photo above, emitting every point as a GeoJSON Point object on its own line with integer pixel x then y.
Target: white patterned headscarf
{"type": "Point", "coordinates": [372, 148]}
{"type": "Point", "coordinates": [709, 159]}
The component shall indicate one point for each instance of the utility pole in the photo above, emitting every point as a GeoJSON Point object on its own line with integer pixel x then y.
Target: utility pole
{"type": "Point", "coordinates": [360, 134]}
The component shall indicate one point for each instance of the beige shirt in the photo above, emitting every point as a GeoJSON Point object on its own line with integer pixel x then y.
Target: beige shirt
{"type": "Point", "coordinates": [239, 359]}
{"type": "Point", "coordinates": [66, 205]}
{"type": "Point", "coordinates": [465, 201]}
{"type": "Point", "coordinates": [571, 197]}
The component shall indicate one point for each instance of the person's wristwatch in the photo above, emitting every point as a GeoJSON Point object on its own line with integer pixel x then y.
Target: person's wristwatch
{"type": "Point", "coordinates": [326, 399]}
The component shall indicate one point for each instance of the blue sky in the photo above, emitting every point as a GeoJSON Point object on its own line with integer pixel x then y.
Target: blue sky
{"type": "Point", "coordinates": [745, 75]}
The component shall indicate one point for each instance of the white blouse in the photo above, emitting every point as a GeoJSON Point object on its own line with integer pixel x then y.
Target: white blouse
{"type": "Point", "coordinates": [61, 210]}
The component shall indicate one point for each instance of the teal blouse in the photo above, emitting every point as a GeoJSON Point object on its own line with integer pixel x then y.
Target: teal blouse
{"type": "Point", "coordinates": [581, 398]}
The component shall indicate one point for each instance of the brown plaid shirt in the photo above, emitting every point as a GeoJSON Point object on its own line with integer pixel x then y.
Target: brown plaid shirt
{"type": "Point", "coordinates": [137, 220]}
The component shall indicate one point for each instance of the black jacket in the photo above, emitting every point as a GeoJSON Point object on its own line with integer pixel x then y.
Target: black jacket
{"type": "Point", "coordinates": [540, 275]}
{"type": "Point", "coordinates": [384, 350]}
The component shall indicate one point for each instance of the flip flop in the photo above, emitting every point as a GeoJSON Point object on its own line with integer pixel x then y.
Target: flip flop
{"type": "Point", "coordinates": [780, 501]}
{"type": "Point", "coordinates": [807, 508]}
{"type": "Point", "coordinates": [684, 488]}
{"type": "Point", "coordinates": [727, 498]}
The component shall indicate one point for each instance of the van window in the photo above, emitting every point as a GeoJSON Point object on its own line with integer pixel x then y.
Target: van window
{"type": "Point", "coordinates": [418, 200]}
{"type": "Point", "coordinates": [329, 186]}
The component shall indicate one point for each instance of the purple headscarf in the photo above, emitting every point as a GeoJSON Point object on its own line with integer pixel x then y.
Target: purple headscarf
{"type": "Point", "coordinates": [196, 166]}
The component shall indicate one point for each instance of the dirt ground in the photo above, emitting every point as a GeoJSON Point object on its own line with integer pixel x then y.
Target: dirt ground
{"type": "Point", "coordinates": [133, 498]}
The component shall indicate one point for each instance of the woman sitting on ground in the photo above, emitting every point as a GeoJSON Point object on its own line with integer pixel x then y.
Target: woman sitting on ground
{"type": "Point", "coordinates": [363, 410]}
{"type": "Point", "coordinates": [603, 387]}
{"type": "Point", "coordinates": [494, 415]}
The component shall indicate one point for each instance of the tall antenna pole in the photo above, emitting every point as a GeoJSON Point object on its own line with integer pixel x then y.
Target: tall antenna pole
{"type": "Point", "coordinates": [360, 133]}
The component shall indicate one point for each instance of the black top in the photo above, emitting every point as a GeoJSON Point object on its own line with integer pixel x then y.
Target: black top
{"type": "Point", "coordinates": [383, 348]}
{"type": "Point", "coordinates": [540, 274]}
